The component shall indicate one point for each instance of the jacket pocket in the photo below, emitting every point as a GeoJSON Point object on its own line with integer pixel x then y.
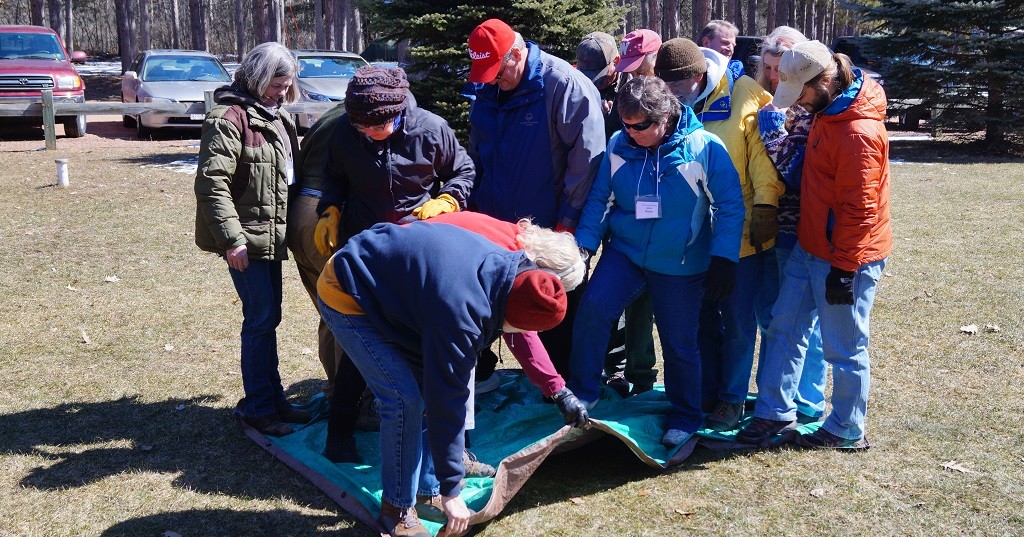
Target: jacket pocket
{"type": "Point", "coordinates": [260, 175]}
{"type": "Point", "coordinates": [257, 238]}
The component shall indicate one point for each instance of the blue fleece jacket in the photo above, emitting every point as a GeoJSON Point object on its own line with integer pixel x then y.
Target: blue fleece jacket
{"type": "Point", "coordinates": [439, 293]}
{"type": "Point", "coordinates": [701, 201]}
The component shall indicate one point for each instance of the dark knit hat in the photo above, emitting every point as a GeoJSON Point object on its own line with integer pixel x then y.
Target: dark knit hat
{"type": "Point", "coordinates": [376, 94]}
{"type": "Point", "coordinates": [536, 302]}
{"type": "Point", "coordinates": [679, 59]}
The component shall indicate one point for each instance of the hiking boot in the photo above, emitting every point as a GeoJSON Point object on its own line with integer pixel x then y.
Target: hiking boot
{"type": "Point", "coordinates": [760, 430]}
{"type": "Point", "coordinates": [343, 450]}
{"type": "Point", "coordinates": [618, 384]}
{"type": "Point", "coordinates": [674, 437]}
{"type": "Point", "coordinates": [640, 388]}
{"type": "Point", "coordinates": [429, 508]}
{"type": "Point", "coordinates": [822, 439]}
{"type": "Point", "coordinates": [291, 414]}
{"type": "Point", "coordinates": [725, 417]}
{"type": "Point", "coordinates": [475, 468]}
{"type": "Point", "coordinates": [270, 425]}
{"type": "Point", "coordinates": [368, 418]}
{"type": "Point", "coordinates": [401, 522]}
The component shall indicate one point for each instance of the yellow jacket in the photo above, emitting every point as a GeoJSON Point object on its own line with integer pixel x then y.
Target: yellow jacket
{"type": "Point", "coordinates": [732, 116]}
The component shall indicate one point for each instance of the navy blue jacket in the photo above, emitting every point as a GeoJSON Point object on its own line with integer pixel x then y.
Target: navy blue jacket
{"type": "Point", "coordinates": [438, 292]}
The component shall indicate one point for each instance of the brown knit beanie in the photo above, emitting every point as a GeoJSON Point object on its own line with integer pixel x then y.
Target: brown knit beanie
{"type": "Point", "coordinates": [536, 302]}
{"type": "Point", "coordinates": [376, 94]}
{"type": "Point", "coordinates": [679, 59]}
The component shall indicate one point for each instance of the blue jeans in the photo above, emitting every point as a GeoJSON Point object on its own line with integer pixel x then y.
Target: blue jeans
{"type": "Point", "coordinates": [810, 393]}
{"type": "Point", "coordinates": [615, 284]}
{"type": "Point", "coordinates": [728, 328]}
{"type": "Point", "coordinates": [844, 337]}
{"type": "Point", "coordinates": [406, 466]}
{"type": "Point", "coordinates": [259, 289]}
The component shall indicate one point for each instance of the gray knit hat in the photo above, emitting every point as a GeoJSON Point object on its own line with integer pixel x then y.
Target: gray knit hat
{"type": "Point", "coordinates": [679, 59]}
{"type": "Point", "coordinates": [376, 94]}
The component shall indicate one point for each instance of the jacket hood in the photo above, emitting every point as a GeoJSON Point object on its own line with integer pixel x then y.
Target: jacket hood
{"type": "Point", "coordinates": [864, 99]}
{"type": "Point", "coordinates": [233, 94]}
{"type": "Point", "coordinates": [717, 67]}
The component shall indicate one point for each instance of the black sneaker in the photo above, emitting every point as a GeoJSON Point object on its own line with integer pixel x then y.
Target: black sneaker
{"type": "Point", "coordinates": [760, 430]}
{"type": "Point", "coordinates": [619, 385]}
{"type": "Point", "coordinates": [343, 450]}
{"type": "Point", "coordinates": [725, 417]}
{"type": "Point", "coordinates": [822, 439]}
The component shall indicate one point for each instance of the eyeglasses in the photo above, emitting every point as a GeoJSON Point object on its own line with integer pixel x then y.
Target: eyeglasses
{"type": "Point", "coordinates": [642, 126]}
{"type": "Point", "coordinates": [372, 128]}
{"type": "Point", "coordinates": [504, 65]}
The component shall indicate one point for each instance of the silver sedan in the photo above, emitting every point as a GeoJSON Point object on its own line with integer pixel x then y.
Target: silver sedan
{"type": "Point", "coordinates": [323, 76]}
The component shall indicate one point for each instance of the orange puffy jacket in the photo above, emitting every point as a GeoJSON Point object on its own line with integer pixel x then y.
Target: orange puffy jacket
{"type": "Point", "coordinates": [846, 182]}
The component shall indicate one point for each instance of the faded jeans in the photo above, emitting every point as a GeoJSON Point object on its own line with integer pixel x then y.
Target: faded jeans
{"type": "Point", "coordinates": [844, 335]}
{"type": "Point", "coordinates": [810, 394]}
{"type": "Point", "coordinates": [259, 289]}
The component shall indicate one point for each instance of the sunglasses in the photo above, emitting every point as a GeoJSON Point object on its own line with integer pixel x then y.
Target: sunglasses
{"type": "Point", "coordinates": [373, 128]}
{"type": "Point", "coordinates": [642, 126]}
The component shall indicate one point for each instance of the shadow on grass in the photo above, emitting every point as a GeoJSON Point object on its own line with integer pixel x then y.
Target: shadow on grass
{"type": "Point", "coordinates": [165, 157]}
{"type": "Point", "coordinates": [214, 522]}
{"type": "Point", "coordinates": [203, 446]}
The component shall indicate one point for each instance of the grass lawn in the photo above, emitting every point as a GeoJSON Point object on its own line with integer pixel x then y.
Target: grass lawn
{"type": "Point", "coordinates": [119, 361]}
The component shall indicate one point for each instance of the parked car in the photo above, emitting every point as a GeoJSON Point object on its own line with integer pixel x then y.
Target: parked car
{"type": "Point", "coordinates": [170, 76]}
{"type": "Point", "coordinates": [323, 76]}
{"type": "Point", "coordinates": [852, 47]}
{"type": "Point", "coordinates": [748, 51]}
{"type": "Point", "coordinates": [33, 59]}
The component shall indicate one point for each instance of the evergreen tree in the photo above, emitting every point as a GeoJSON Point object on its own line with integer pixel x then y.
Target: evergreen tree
{"type": "Point", "coordinates": [963, 58]}
{"type": "Point", "coordinates": [437, 30]}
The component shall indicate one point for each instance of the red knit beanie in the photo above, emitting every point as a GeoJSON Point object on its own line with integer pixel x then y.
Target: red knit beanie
{"type": "Point", "coordinates": [536, 301]}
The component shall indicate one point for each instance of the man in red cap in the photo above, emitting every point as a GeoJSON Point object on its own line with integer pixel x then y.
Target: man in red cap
{"type": "Point", "coordinates": [413, 317]}
{"type": "Point", "coordinates": [537, 136]}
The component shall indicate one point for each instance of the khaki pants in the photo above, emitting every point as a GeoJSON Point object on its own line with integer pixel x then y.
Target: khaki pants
{"type": "Point", "coordinates": [302, 219]}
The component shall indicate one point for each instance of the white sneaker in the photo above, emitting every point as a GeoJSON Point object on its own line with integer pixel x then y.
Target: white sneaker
{"type": "Point", "coordinates": [674, 437]}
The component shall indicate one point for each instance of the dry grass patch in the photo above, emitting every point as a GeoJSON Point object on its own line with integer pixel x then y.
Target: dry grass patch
{"type": "Point", "coordinates": [131, 433]}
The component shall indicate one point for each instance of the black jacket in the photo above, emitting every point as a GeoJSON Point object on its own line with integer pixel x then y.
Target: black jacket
{"type": "Point", "coordinates": [373, 182]}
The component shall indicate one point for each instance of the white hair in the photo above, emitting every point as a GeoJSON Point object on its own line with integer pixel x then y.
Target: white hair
{"type": "Point", "coordinates": [264, 63]}
{"type": "Point", "coordinates": [555, 252]}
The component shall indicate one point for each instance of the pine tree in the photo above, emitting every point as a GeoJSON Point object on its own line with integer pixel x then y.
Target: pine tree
{"type": "Point", "coordinates": [961, 57]}
{"type": "Point", "coordinates": [437, 30]}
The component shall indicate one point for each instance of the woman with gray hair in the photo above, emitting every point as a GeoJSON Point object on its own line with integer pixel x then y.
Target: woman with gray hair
{"type": "Point", "coordinates": [246, 164]}
{"type": "Point", "coordinates": [780, 40]}
{"type": "Point", "coordinates": [653, 195]}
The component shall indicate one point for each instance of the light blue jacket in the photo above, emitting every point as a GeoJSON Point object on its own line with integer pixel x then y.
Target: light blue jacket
{"type": "Point", "coordinates": [701, 201]}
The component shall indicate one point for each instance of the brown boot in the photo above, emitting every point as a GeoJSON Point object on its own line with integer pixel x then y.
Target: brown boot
{"type": "Point", "coordinates": [270, 425]}
{"type": "Point", "coordinates": [401, 522]}
{"type": "Point", "coordinates": [429, 508]}
{"type": "Point", "coordinates": [291, 414]}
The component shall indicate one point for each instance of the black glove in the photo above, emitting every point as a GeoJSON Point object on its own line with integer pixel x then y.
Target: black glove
{"type": "Point", "coordinates": [764, 225]}
{"type": "Point", "coordinates": [571, 408]}
{"type": "Point", "coordinates": [719, 279]}
{"type": "Point", "coordinates": [586, 255]}
{"type": "Point", "coordinates": [839, 287]}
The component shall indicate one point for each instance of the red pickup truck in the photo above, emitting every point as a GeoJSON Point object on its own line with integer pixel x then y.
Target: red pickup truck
{"type": "Point", "coordinates": [33, 58]}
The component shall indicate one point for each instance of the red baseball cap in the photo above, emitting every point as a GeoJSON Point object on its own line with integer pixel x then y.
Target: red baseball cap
{"type": "Point", "coordinates": [636, 45]}
{"type": "Point", "coordinates": [488, 44]}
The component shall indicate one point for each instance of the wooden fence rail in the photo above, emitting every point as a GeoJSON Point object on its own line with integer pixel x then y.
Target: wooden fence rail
{"type": "Point", "coordinates": [49, 110]}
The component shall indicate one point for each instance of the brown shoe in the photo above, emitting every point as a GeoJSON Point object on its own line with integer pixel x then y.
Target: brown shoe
{"type": "Point", "coordinates": [429, 508]}
{"type": "Point", "coordinates": [291, 414]}
{"type": "Point", "coordinates": [270, 425]}
{"type": "Point", "coordinates": [401, 522]}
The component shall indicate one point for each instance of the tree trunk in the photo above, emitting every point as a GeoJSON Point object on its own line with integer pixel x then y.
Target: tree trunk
{"type": "Point", "coordinates": [769, 16]}
{"type": "Point", "coordinates": [144, 25]}
{"type": "Point", "coordinates": [36, 12]}
{"type": "Point", "coordinates": [752, 17]}
{"type": "Point", "coordinates": [318, 24]}
{"type": "Point", "coordinates": [330, 19]}
{"type": "Point", "coordinates": [125, 45]}
{"type": "Point", "coordinates": [56, 20]}
{"type": "Point", "coordinates": [995, 136]}
{"type": "Point", "coordinates": [701, 15]}
{"type": "Point", "coordinates": [240, 28]}
{"type": "Point", "coordinates": [819, 22]}
{"type": "Point", "coordinates": [734, 13]}
{"type": "Point", "coordinates": [654, 12]}
{"type": "Point", "coordinates": [198, 25]}
{"type": "Point", "coordinates": [671, 19]}
{"type": "Point", "coordinates": [69, 27]}
{"type": "Point", "coordinates": [355, 29]}
{"type": "Point", "coordinates": [260, 23]}
{"type": "Point", "coordinates": [175, 25]}
{"type": "Point", "coordinates": [340, 18]}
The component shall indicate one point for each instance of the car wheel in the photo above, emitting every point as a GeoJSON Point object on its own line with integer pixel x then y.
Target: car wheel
{"type": "Point", "coordinates": [74, 126]}
{"type": "Point", "coordinates": [141, 131]}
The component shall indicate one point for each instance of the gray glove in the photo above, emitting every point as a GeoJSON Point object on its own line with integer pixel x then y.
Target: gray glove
{"type": "Point", "coordinates": [571, 408]}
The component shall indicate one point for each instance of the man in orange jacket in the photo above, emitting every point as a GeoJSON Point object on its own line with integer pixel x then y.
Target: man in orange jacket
{"type": "Point", "coordinates": [844, 238]}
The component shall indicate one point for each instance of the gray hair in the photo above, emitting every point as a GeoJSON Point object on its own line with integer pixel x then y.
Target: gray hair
{"type": "Point", "coordinates": [264, 63]}
{"type": "Point", "coordinates": [517, 44]}
{"type": "Point", "coordinates": [780, 40]}
{"type": "Point", "coordinates": [553, 251]}
{"type": "Point", "coordinates": [648, 96]}
{"type": "Point", "coordinates": [713, 28]}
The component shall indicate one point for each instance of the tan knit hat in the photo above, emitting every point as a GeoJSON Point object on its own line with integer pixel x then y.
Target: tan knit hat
{"type": "Point", "coordinates": [679, 59]}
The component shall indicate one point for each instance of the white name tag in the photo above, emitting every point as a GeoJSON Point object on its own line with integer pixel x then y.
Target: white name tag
{"type": "Point", "coordinates": [291, 172]}
{"type": "Point", "coordinates": [648, 207]}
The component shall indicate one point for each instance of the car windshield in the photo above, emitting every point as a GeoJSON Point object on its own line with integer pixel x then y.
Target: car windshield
{"type": "Point", "coordinates": [31, 46]}
{"type": "Point", "coordinates": [183, 69]}
{"type": "Point", "coordinates": [329, 66]}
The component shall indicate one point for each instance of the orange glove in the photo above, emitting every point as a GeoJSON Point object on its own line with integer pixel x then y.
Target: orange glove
{"type": "Point", "coordinates": [325, 236]}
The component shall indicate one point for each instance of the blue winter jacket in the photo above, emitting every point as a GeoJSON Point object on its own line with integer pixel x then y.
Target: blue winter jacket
{"type": "Point", "coordinates": [536, 152]}
{"type": "Point", "coordinates": [441, 309]}
{"type": "Point", "coordinates": [701, 201]}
